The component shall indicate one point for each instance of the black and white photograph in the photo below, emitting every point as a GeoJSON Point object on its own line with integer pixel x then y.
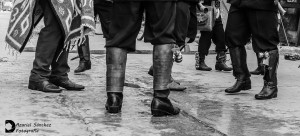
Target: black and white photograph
{"type": "Point", "coordinates": [149, 67]}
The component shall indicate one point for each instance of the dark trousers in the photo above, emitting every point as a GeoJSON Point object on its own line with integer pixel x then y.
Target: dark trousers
{"type": "Point", "coordinates": [127, 19]}
{"type": "Point", "coordinates": [185, 25]}
{"type": "Point", "coordinates": [84, 50]}
{"type": "Point", "coordinates": [192, 29]}
{"type": "Point", "coordinates": [50, 43]}
{"type": "Point", "coordinates": [104, 10]}
{"type": "Point", "coordinates": [217, 35]}
{"type": "Point", "coordinates": [244, 23]}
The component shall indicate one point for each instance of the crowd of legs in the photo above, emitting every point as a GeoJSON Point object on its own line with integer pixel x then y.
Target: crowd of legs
{"type": "Point", "coordinates": [168, 24]}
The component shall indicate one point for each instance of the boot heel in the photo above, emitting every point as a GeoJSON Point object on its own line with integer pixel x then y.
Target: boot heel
{"type": "Point", "coordinates": [113, 109]}
{"type": "Point", "coordinates": [89, 65]}
{"type": "Point", "coordinates": [275, 95]}
{"type": "Point", "coordinates": [158, 113]}
{"type": "Point", "coordinates": [32, 85]}
{"type": "Point", "coordinates": [247, 85]}
{"type": "Point", "coordinates": [217, 68]}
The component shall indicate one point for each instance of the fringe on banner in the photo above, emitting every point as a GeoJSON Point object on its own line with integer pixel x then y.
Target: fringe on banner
{"type": "Point", "coordinates": [76, 41]}
{"type": "Point", "coordinates": [11, 51]}
{"type": "Point", "coordinates": [79, 40]}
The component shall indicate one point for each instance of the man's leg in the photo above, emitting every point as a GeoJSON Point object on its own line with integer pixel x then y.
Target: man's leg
{"type": "Point", "coordinates": [265, 34]}
{"type": "Point", "coordinates": [182, 22]}
{"type": "Point", "coordinates": [49, 39]}
{"type": "Point", "coordinates": [203, 48]}
{"type": "Point", "coordinates": [181, 29]}
{"type": "Point", "coordinates": [122, 38]}
{"type": "Point", "coordinates": [219, 40]}
{"type": "Point", "coordinates": [60, 68]}
{"type": "Point", "coordinates": [84, 56]}
{"type": "Point", "coordinates": [260, 68]}
{"type": "Point", "coordinates": [236, 35]}
{"type": "Point", "coordinates": [104, 10]}
{"type": "Point", "coordinates": [116, 59]}
{"type": "Point", "coordinates": [159, 28]}
{"type": "Point", "coordinates": [162, 66]}
{"type": "Point", "coordinates": [192, 28]}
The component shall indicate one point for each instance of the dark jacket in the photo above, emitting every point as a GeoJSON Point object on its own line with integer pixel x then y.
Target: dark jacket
{"type": "Point", "coordinates": [254, 4]}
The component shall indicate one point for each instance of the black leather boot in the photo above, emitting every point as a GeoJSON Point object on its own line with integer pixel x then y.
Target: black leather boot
{"type": "Point", "coordinates": [161, 105]}
{"type": "Point", "coordinates": [115, 75]}
{"type": "Point", "coordinates": [67, 84]}
{"type": "Point", "coordinates": [84, 55]}
{"type": "Point", "coordinates": [162, 66]}
{"type": "Point", "coordinates": [114, 102]}
{"type": "Point", "coordinates": [240, 70]}
{"type": "Point", "coordinates": [44, 86]}
{"type": "Point", "coordinates": [221, 62]}
{"type": "Point", "coordinates": [260, 68]}
{"type": "Point", "coordinates": [200, 63]}
{"type": "Point", "coordinates": [239, 85]}
{"type": "Point", "coordinates": [270, 89]}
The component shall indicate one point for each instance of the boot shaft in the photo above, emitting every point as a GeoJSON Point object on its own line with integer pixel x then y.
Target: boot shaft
{"type": "Point", "coordinates": [200, 62]}
{"type": "Point", "coordinates": [162, 66]}
{"type": "Point", "coordinates": [116, 65]}
{"type": "Point", "coordinates": [221, 62]}
{"type": "Point", "coordinates": [260, 70]}
{"type": "Point", "coordinates": [238, 57]}
{"type": "Point", "coordinates": [221, 57]}
{"type": "Point", "coordinates": [270, 75]}
{"type": "Point", "coordinates": [84, 50]}
{"type": "Point", "coordinates": [259, 61]}
{"type": "Point", "coordinates": [200, 58]}
{"type": "Point", "coordinates": [270, 89]}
